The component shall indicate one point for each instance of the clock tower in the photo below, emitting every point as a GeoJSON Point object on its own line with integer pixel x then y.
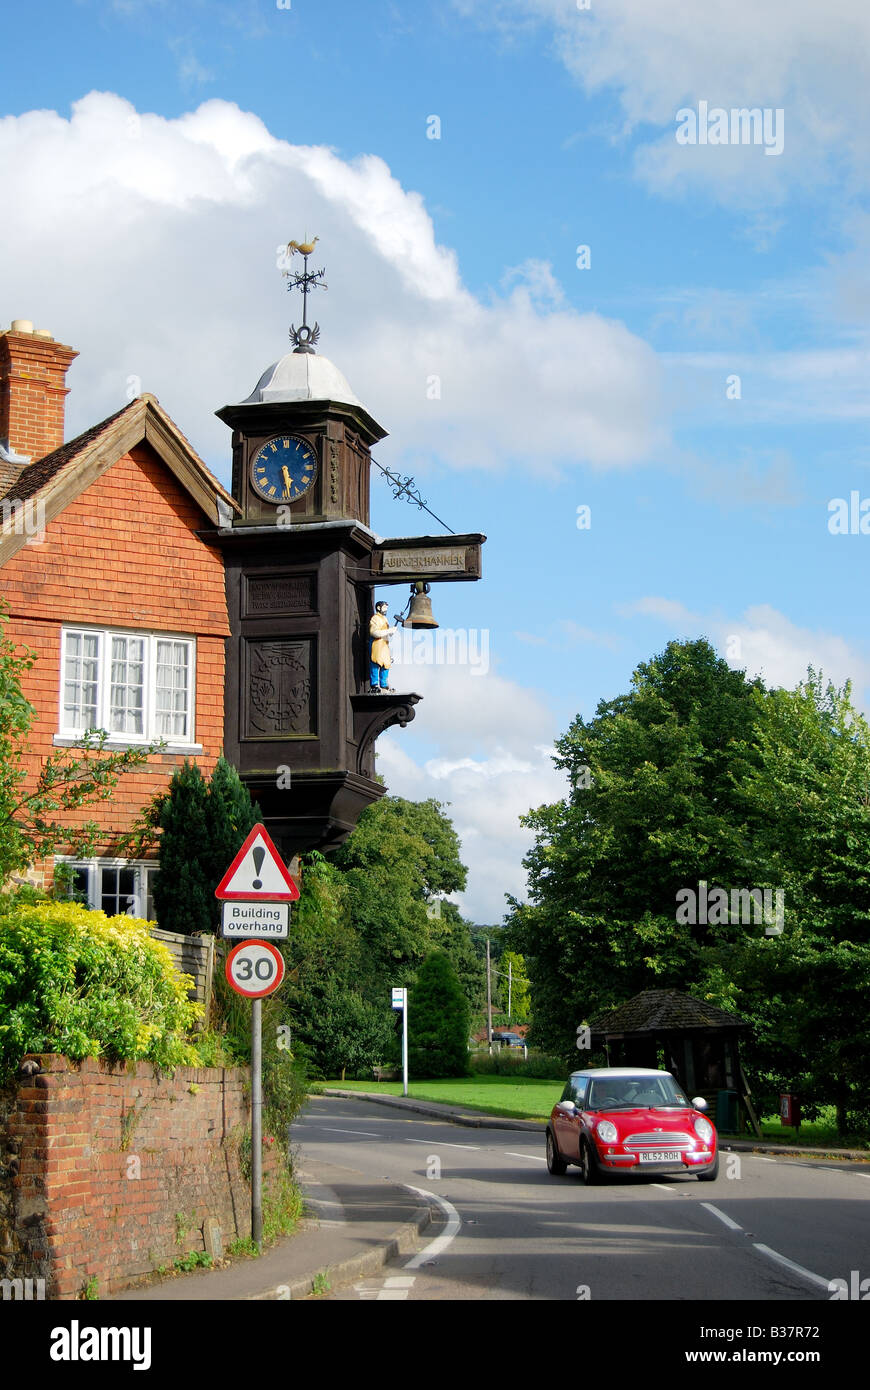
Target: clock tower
{"type": "Point", "coordinates": [301, 565]}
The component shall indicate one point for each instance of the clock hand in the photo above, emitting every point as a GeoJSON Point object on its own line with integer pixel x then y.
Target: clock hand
{"type": "Point", "coordinates": [288, 481]}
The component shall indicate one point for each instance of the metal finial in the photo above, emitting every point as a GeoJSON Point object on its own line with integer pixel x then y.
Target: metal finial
{"type": "Point", "coordinates": [304, 337]}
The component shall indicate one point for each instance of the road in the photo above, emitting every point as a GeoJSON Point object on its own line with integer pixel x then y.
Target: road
{"type": "Point", "coordinates": [776, 1229]}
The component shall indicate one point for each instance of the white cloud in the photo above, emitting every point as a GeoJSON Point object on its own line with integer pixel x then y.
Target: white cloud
{"type": "Point", "coordinates": [764, 642]}
{"type": "Point", "coordinates": [494, 765]}
{"type": "Point", "coordinates": [811, 60]}
{"type": "Point", "coordinates": [150, 245]}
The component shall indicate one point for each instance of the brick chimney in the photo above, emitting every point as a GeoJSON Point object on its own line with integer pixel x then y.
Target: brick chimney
{"type": "Point", "coordinates": [33, 371]}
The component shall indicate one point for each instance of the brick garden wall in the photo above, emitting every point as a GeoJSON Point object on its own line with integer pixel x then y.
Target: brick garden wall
{"type": "Point", "coordinates": [117, 1170]}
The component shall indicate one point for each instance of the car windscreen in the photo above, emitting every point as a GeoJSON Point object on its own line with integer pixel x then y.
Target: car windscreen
{"type": "Point", "coordinates": [627, 1092]}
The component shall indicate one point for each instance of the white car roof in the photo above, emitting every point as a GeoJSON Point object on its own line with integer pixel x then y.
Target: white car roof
{"type": "Point", "coordinates": [602, 1072]}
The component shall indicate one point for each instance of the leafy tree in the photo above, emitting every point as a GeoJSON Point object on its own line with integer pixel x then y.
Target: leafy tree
{"type": "Point", "coordinates": [654, 808]}
{"type": "Point", "coordinates": [36, 816]}
{"type": "Point", "coordinates": [808, 793]}
{"type": "Point", "coordinates": [399, 859]}
{"type": "Point", "coordinates": [514, 984]}
{"type": "Point", "coordinates": [438, 1021]}
{"type": "Point", "coordinates": [346, 1032]}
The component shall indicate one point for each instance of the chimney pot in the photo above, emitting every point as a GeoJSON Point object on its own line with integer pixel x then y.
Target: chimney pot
{"type": "Point", "coordinates": [22, 326]}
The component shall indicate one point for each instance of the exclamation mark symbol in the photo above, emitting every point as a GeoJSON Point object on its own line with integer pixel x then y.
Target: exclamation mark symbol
{"type": "Point", "coordinates": [259, 856]}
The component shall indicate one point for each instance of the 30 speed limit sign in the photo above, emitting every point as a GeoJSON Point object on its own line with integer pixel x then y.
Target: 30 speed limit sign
{"type": "Point", "coordinates": [255, 968]}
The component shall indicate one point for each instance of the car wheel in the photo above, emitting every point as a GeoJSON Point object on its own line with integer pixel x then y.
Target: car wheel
{"type": "Point", "coordinates": [712, 1173]}
{"type": "Point", "coordinates": [556, 1165]}
{"type": "Point", "coordinates": [589, 1170]}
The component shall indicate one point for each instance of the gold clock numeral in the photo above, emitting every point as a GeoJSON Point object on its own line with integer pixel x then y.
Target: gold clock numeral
{"type": "Point", "coordinates": [274, 448]}
{"type": "Point", "coordinates": [286, 443]}
{"type": "Point", "coordinates": [272, 491]}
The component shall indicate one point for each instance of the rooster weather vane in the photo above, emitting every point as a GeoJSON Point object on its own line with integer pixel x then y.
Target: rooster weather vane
{"type": "Point", "coordinates": [304, 337]}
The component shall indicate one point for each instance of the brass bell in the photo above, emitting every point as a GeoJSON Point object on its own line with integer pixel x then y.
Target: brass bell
{"type": "Point", "coordinates": [420, 609]}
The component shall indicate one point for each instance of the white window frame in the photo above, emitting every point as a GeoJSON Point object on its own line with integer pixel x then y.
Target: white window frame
{"type": "Point", "coordinates": [92, 867]}
{"type": "Point", "coordinates": [117, 739]}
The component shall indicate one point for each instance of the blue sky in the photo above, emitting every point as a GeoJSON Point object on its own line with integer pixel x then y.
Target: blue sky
{"type": "Point", "coordinates": [156, 154]}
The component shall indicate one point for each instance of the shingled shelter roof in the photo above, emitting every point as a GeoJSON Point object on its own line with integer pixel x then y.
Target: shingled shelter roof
{"type": "Point", "coordinates": [656, 1011]}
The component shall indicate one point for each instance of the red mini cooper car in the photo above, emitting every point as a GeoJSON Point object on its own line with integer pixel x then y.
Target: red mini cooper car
{"type": "Point", "coordinates": [630, 1120]}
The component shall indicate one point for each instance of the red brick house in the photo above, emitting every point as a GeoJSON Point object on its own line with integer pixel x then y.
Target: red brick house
{"type": "Point", "coordinates": [105, 578]}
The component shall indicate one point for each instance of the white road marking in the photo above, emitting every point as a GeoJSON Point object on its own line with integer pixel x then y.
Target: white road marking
{"type": "Point", "coordinates": [440, 1243]}
{"type": "Point", "coordinates": [771, 1254]}
{"type": "Point", "coordinates": [708, 1206]}
{"type": "Point", "coordinates": [400, 1281]}
{"type": "Point", "coordinates": [759, 1159]}
{"type": "Point", "coordinates": [663, 1187]}
{"type": "Point", "coordinates": [334, 1129]}
{"type": "Point", "coordinates": [440, 1143]}
{"type": "Point", "coordinates": [790, 1264]}
{"type": "Point", "coordinates": [537, 1158]}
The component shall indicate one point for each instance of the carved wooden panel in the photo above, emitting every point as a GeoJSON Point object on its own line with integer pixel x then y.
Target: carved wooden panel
{"type": "Point", "coordinates": [280, 696]}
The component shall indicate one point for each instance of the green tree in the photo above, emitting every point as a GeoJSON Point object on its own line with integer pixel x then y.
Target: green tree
{"type": "Point", "coordinates": [202, 825]}
{"type": "Point", "coordinates": [34, 814]}
{"type": "Point", "coordinates": [807, 791]}
{"type": "Point", "coordinates": [438, 1020]}
{"type": "Point", "coordinates": [653, 809]}
{"type": "Point", "coordinates": [399, 859]}
{"type": "Point", "coordinates": [515, 988]}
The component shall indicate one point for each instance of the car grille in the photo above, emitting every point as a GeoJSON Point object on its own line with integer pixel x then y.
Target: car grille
{"type": "Point", "coordinates": [666, 1140]}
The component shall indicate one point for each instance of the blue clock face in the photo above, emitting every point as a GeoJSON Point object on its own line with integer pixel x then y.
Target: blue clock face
{"type": "Point", "coordinates": [283, 468]}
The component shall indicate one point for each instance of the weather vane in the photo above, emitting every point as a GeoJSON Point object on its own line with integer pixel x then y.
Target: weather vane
{"type": "Point", "coordinates": [304, 337]}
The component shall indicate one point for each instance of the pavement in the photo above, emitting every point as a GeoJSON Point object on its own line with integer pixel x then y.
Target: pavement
{"type": "Point", "coordinates": [354, 1225]}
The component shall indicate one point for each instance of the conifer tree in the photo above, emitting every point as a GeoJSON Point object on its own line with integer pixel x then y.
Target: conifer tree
{"type": "Point", "coordinates": [203, 825]}
{"type": "Point", "coordinates": [438, 1021]}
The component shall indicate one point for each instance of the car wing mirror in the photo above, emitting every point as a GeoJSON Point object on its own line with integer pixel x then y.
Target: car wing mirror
{"type": "Point", "coordinates": [567, 1107]}
{"type": "Point", "coordinates": [699, 1102]}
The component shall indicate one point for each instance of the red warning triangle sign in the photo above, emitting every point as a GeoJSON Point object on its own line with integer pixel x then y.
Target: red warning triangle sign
{"type": "Point", "coordinates": [258, 872]}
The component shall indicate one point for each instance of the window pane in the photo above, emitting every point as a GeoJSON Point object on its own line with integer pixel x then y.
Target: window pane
{"type": "Point", "coordinates": [147, 880]}
{"type": "Point", "coordinates": [127, 692]}
{"type": "Point", "coordinates": [80, 680]}
{"type": "Point", "coordinates": [117, 890]}
{"type": "Point", "coordinates": [173, 689]}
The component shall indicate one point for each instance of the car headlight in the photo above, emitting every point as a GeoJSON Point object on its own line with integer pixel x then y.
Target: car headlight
{"type": "Point", "coordinates": [703, 1129]}
{"type": "Point", "coordinates": [607, 1131]}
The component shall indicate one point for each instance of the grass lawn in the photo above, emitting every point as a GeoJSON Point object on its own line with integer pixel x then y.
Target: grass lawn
{"type": "Point", "coordinates": [529, 1098]}
{"type": "Point", "coordinates": [517, 1097]}
{"type": "Point", "coordinates": [817, 1133]}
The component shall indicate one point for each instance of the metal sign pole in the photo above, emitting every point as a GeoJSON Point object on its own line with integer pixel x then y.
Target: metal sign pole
{"type": "Point", "coordinates": [257, 1121]}
{"type": "Point", "coordinates": [405, 1042]}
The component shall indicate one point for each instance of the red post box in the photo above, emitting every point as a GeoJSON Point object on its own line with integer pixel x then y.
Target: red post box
{"type": "Point", "coordinates": [790, 1110]}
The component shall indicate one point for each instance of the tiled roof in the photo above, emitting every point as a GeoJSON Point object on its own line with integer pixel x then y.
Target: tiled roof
{"type": "Point", "coordinates": [663, 1010]}
{"type": "Point", "coordinates": [37, 474]}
